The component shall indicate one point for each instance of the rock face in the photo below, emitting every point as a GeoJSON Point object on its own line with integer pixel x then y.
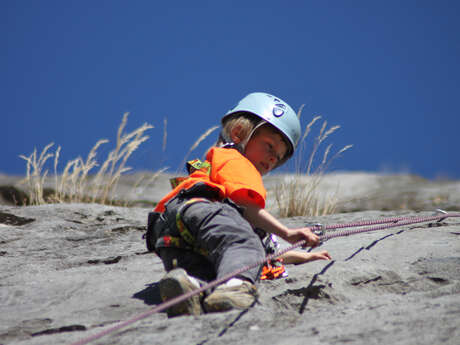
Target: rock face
{"type": "Point", "coordinates": [71, 271]}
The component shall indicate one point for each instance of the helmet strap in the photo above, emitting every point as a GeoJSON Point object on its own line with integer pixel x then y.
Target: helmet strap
{"type": "Point", "coordinates": [256, 127]}
{"type": "Point", "coordinates": [228, 143]}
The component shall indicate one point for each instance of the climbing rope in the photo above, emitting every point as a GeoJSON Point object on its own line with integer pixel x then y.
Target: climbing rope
{"type": "Point", "coordinates": [322, 230]}
{"type": "Point", "coordinates": [439, 215]}
{"type": "Point", "coordinates": [396, 222]}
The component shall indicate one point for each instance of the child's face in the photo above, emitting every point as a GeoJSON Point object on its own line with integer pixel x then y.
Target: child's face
{"type": "Point", "coordinates": [265, 149]}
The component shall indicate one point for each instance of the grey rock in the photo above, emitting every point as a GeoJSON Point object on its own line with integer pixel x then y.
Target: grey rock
{"type": "Point", "coordinates": [69, 271]}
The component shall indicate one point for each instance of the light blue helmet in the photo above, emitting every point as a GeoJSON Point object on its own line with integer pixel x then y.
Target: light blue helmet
{"type": "Point", "coordinates": [274, 111]}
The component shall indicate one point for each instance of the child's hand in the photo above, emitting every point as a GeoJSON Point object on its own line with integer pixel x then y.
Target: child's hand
{"type": "Point", "coordinates": [296, 235]}
{"type": "Point", "coordinates": [260, 218]}
{"type": "Point", "coordinates": [322, 255]}
{"type": "Point", "coordinates": [301, 257]}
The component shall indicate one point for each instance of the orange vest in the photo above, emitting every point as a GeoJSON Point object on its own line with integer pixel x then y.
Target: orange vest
{"type": "Point", "coordinates": [232, 174]}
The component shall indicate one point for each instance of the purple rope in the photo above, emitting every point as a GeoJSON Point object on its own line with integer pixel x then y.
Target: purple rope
{"type": "Point", "coordinates": [384, 221]}
{"type": "Point", "coordinates": [408, 221]}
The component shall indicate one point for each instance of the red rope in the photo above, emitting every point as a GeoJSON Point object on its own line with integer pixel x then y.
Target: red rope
{"type": "Point", "coordinates": [400, 221]}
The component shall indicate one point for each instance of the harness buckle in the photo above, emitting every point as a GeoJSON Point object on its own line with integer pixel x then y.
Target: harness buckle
{"type": "Point", "coordinates": [317, 228]}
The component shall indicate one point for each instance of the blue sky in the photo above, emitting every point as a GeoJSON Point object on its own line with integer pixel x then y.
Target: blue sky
{"type": "Point", "coordinates": [387, 72]}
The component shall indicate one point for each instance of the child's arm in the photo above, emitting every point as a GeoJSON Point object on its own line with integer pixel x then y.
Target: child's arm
{"type": "Point", "coordinates": [260, 218]}
{"type": "Point", "coordinates": [297, 257]}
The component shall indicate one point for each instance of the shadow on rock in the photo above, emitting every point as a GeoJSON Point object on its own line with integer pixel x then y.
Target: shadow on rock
{"type": "Point", "coordinates": [10, 195]}
{"type": "Point", "coordinates": [317, 289]}
{"type": "Point", "coordinates": [150, 295]}
{"type": "Point", "coordinates": [11, 219]}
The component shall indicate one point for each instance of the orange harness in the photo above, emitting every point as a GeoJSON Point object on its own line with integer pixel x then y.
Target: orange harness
{"type": "Point", "coordinates": [273, 270]}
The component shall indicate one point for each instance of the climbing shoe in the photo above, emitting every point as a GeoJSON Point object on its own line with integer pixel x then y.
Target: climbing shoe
{"type": "Point", "coordinates": [175, 283]}
{"type": "Point", "coordinates": [235, 294]}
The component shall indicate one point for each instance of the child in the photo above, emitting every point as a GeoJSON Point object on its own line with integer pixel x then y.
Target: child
{"type": "Point", "coordinates": [212, 222]}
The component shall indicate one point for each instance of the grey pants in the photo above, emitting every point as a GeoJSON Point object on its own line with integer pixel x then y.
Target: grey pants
{"type": "Point", "coordinates": [220, 229]}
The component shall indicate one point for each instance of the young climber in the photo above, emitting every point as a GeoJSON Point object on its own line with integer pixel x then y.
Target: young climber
{"type": "Point", "coordinates": [213, 222]}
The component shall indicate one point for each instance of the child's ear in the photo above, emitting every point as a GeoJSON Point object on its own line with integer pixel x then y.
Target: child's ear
{"type": "Point", "coordinates": [236, 134]}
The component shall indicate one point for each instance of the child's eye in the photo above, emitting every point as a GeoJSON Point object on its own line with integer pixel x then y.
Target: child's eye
{"type": "Point", "coordinates": [272, 151]}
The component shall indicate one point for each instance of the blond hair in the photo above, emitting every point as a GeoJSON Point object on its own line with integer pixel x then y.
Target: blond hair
{"type": "Point", "coordinates": [246, 122]}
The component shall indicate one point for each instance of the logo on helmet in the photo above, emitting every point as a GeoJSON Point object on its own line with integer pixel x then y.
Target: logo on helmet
{"type": "Point", "coordinates": [278, 109]}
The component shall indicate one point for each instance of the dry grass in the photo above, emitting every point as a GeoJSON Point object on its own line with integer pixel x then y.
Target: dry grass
{"type": "Point", "coordinates": [298, 195]}
{"type": "Point", "coordinates": [35, 177]}
{"type": "Point", "coordinates": [144, 182]}
{"type": "Point", "coordinates": [75, 184]}
{"type": "Point", "coordinates": [196, 143]}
